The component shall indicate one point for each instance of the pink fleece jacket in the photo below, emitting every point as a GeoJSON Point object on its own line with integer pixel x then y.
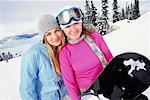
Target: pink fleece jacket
{"type": "Point", "coordinates": [80, 65]}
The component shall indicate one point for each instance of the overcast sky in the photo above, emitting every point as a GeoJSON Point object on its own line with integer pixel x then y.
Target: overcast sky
{"type": "Point", "coordinates": [22, 15]}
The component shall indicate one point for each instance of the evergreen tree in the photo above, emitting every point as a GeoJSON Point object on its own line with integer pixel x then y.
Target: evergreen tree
{"type": "Point", "coordinates": [130, 16]}
{"type": "Point", "coordinates": [9, 55]}
{"type": "Point", "coordinates": [104, 9]}
{"type": "Point", "coordinates": [119, 15]}
{"type": "Point", "coordinates": [88, 13]}
{"type": "Point", "coordinates": [123, 14]}
{"type": "Point", "coordinates": [136, 12]}
{"type": "Point", "coordinates": [102, 22]}
{"type": "Point", "coordinates": [1, 58]}
{"type": "Point", "coordinates": [87, 21]}
{"type": "Point", "coordinates": [3, 55]}
{"type": "Point", "coordinates": [127, 11]}
{"type": "Point", "coordinates": [93, 9]}
{"type": "Point", "coordinates": [115, 12]}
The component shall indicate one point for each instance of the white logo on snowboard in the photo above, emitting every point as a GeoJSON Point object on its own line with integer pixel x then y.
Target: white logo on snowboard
{"type": "Point", "coordinates": [135, 65]}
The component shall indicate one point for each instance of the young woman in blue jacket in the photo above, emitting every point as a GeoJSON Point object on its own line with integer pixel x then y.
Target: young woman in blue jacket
{"type": "Point", "coordinates": [40, 72]}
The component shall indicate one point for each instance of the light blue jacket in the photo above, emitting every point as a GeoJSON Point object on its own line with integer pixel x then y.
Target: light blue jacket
{"type": "Point", "coordinates": [38, 77]}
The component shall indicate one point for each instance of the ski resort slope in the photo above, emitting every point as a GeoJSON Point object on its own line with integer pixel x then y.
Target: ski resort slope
{"type": "Point", "coordinates": [131, 36]}
{"type": "Point", "coordinates": [10, 79]}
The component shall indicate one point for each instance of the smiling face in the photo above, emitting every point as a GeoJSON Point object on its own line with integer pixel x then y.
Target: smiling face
{"type": "Point", "coordinates": [73, 31]}
{"type": "Point", "coordinates": [54, 36]}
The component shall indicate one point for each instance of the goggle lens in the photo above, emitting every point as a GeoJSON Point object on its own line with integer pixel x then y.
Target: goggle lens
{"type": "Point", "coordinates": [66, 16]}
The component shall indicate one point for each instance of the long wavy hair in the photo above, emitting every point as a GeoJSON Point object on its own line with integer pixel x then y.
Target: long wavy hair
{"type": "Point", "coordinates": [54, 54]}
{"type": "Point", "coordinates": [87, 31]}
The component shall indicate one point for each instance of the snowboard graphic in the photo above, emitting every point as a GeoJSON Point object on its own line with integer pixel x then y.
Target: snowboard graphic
{"type": "Point", "coordinates": [124, 78]}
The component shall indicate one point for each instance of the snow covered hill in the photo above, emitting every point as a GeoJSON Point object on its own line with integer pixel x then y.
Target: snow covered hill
{"type": "Point", "coordinates": [9, 79]}
{"type": "Point", "coordinates": [19, 40]}
{"type": "Point", "coordinates": [133, 36]}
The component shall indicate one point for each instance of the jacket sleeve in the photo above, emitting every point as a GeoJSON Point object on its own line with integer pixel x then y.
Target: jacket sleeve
{"type": "Point", "coordinates": [68, 76]}
{"type": "Point", "coordinates": [28, 77]}
{"type": "Point", "coordinates": [103, 46]}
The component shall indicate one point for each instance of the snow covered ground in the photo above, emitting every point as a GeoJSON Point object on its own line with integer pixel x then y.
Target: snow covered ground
{"type": "Point", "coordinates": [9, 79]}
{"type": "Point", "coordinates": [129, 36]}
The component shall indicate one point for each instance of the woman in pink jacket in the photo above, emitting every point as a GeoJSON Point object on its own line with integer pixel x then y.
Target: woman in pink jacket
{"type": "Point", "coordinates": [84, 55]}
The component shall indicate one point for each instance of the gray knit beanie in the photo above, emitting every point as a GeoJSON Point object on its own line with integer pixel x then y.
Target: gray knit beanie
{"type": "Point", "coordinates": [45, 23]}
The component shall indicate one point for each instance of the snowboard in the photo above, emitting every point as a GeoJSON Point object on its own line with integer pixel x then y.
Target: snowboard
{"type": "Point", "coordinates": [125, 77]}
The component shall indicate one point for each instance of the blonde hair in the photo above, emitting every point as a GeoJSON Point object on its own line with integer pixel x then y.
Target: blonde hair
{"type": "Point", "coordinates": [54, 55]}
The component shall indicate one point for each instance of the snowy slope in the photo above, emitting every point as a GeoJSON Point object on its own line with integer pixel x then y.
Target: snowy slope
{"type": "Point", "coordinates": [10, 71]}
{"type": "Point", "coordinates": [9, 79]}
{"type": "Point", "coordinates": [133, 36]}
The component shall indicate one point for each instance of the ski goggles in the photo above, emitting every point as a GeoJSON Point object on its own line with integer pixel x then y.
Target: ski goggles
{"type": "Point", "coordinates": [66, 16]}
